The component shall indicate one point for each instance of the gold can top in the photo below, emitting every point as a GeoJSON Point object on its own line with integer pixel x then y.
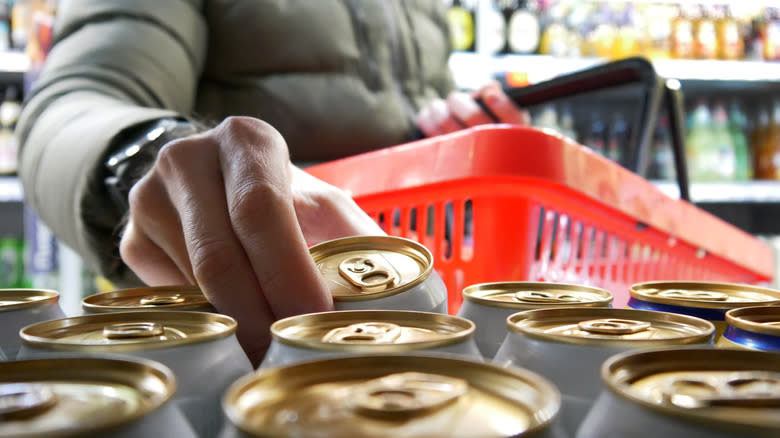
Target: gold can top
{"type": "Point", "coordinates": [395, 396]}
{"type": "Point", "coordinates": [611, 327]}
{"type": "Point", "coordinates": [128, 331]}
{"type": "Point", "coordinates": [704, 294]}
{"type": "Point", "coordinates": [759, 319]}
{"type": "Point", "coordinates": [370, 267]}
{"type": "Point", "coordinates": [69, 397]}
{"type": "Point", "coordinates": [536, 295]}
{"type": "Point", "coordinates": [15, 299]}
{"type": "Point", "coordinates": [374, 331]}
{"type": "Point", "coordinates": [148, 298]}
{"type": "Point", "coordinates": [737, 390]}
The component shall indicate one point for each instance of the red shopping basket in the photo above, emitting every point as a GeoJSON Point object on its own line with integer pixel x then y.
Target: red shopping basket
{"type": "Point", "coordinates": [503, 203]}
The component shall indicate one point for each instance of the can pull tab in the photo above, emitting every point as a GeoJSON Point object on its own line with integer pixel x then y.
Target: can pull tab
{"type": "Point", "coordinates": [364, 333]}
{"type": "Point", "coordinates": [693, 295]}
{"type": "Point", "coordinates": [162, 300]}
{"type": "Point", "coordinates": [406, 394]}
{"type": "Point", "coordinates": [133, 330]}
{"type": "Point", "coordinates": [746, 389]}
{"type": "Point", "coordinates": [613, 326]}
{"type": "Point", "coordinates": [24, 400]}
{"type": "Point", "coordinates": [369, 272]}
{"type": "Point", "coordinates": [535, 296]}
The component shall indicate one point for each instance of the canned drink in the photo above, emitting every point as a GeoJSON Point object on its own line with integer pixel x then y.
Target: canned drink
{"type": "Point", "coordinates": [22, 307]}
{"type": "Point", "coordinates": [201, 349]}
{"type": "Point", "coordinates": [380, 272]}
{"type": "Point", "coordinates": [95, 397]}
{"type": "Point", "coordinates": [568, 346]}
{"type": "Point", "coordinates": [705, 300]}
{"type": "Point", "coordinates": [688, 393]}
{"type": "Point", "coordinates": [362, 332]}
{"type": "Point", "coordinates": [392, 396]}
{"type": "Point", "coordinates": [752, 328]}
{"type": "Point", "coordinates": [490, 304]}
{"type": "Point", "coordinates": [148, 298]}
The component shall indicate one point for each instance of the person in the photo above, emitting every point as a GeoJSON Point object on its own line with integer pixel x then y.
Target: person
{"type": "Point", "coordinates": [116, 160]}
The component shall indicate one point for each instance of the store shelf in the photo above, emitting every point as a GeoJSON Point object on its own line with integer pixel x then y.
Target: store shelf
{"type": "Point", "coordinates": [13, 65]}
{"type": "Point", "coordinates": [756, 192]}
{"type": "Point", "coordinates": [10, 189]}
{"type": "Point", "coordinates": [472, 69]}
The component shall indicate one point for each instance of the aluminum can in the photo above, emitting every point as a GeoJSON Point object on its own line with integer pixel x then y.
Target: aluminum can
{"type": "Point", "coordinates": [201, 349]}
{"type": "Point", "coordinates": [361, 332]}
{"type": "Point", "coordinates": [392, 396]}
{"type": "Point", "coordinates": [752, 328]}
{"type": "Point", "coordinates": [688, 393]}
{"type": "Point", "coordinates": [568, 346]}
{"type": "Point", "coordinates": [380, 273]}
{"type": "Point", "coordinates": [490, 304]}
{"type": "Point", "coordinates": [705, 300]}
{"type": "Point", "coordinates": [94, 397]}
{"type": "Point", "coordinates": [148, 298]}
{"type": "Point", "coordinates": [22, 307]}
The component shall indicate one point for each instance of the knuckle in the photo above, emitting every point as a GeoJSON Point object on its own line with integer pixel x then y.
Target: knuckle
{"type": "Point", "coordinates": [212, 260]}
{"type": "Point", "coordinates": [251, 197]}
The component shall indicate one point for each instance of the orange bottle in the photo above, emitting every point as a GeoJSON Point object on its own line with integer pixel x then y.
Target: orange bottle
{"type": "Point", "coordinates": [768, 154]}
{"type": "Point", "coordinates": [682, 35]}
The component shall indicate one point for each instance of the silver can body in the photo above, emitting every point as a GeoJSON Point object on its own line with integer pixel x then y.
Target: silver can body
{"type": "Point", "coordinates": [574, 369]}
{"type": "Point", "coordinates": [167, 420]}
{"type": "Point", "coordinates": [281, 354]}
{"type": "Point", "coordinates": [203, 372]}
{"type": "Point", "coordinates": [491, 325]}
{"type": "Point", "coordinates": [428, 296]}
{"type": "Point", "coordinates": [12, 321]}
{"type": "Point", "coordinates": [614, 417]}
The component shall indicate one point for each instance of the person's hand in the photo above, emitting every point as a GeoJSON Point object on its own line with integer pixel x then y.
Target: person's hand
{"type": "Point", "coordinates": [220, 210]}
{"type": "Point", "coordinates": [460, 110]}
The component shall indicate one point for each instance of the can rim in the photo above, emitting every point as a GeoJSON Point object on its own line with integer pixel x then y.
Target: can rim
{"type": "Point", "coordinates": [616, 378]}
{"type": "Point", "coordinates": [93, 304]}
{"type": "Point", "coordinates": [741, 318]}
{"type": "Point", "coordinates": [34, 334]}
{"type": "Point", "coordinates": [467, 329]}
{"type": "Point", "coordinates": [544, 416]}
{"type": "Point", "coordinates": [82, 368]}
{"type": "Point", "coordinates": [412, 249]}
{"type": "Point", "coordinates": [705, 336]}
{"type": "Point", "coordinates": [472, 293]}
{"type": "Point", "coordinates": [44, 296]}
{"type": "Point", "coordinates": [635, 292]}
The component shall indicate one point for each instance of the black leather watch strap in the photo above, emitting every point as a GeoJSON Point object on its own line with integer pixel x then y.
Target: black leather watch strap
{"type": "Point", "coordinates": [135, 152]}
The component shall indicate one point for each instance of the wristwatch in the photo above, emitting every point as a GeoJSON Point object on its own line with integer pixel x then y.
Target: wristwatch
{"type": "Point", "coordinates": [135, 152]}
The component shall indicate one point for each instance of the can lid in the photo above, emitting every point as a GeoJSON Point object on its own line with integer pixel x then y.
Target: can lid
{"type": "Point", "coordinates": [374, 331]}
{"type": "Point", "coordinates": [704, 294]}
{"type": "Point", "coordinates": [15, 299]}
{"type": "Point", "coordinates": [392, 396]}
{"type": "Point", "coordinates": [536, 295]}
{"type": "Point", "coordinates": [759, 319]}
{"type": "Point", "coordinates": [369, 267]}
{"type": "Point", "coordinates": [738, 389]}
{"type": "Point", "coordinates": [128, 331]}
{"type": "Point", "coordinates": [78, 396]}
{"type": "Point", "coordinates": [148, 298]}
{"type": "Point", "coordinates": [611, 327]}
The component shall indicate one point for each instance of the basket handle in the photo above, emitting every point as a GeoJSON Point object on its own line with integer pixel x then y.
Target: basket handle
{"type": "Point", "coordinates": [654, 91]}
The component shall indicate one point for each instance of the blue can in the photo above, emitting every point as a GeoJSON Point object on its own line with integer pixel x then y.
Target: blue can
{"type": "Point", "coordinates": [752, 328]}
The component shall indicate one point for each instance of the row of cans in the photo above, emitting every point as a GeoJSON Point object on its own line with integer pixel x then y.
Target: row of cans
{"type": "Point", "coordinates": [558, 343]}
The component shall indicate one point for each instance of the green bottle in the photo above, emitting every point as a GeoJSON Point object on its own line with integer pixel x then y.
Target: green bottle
{"type": "Point", "coordinates": [737, 128]}
{"type": "Point", "coordinates": [698, 145]}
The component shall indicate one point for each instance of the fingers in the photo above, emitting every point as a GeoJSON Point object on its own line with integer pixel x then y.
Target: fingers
{"type": "Point", "coordinates": [502, 106]}
{"type": "Point", "coordinates": [436, 119]}
{"type": "Point", "coordinates": [261, 212]}
{"type": "Point", "coordinates": [465, 108]}
{"type": "Point", "coordinates": [152, 265]}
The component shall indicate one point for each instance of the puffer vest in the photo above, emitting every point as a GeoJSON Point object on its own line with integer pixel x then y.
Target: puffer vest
{"type": "Point", "coordinates": [335, 77]}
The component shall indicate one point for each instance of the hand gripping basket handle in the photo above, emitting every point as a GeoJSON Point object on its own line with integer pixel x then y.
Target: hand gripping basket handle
{"type": "Point", "coordinates": [653, 91]}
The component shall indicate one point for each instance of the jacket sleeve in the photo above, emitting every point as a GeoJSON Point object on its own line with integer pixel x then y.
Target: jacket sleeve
{"type": "Point", "coordinates": [114, 65]}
